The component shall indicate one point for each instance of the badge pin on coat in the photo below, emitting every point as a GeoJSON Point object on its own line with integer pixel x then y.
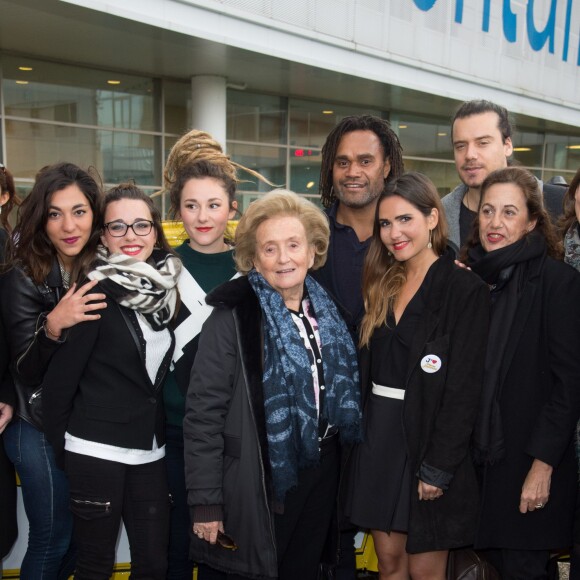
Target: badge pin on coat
{"type": "Point", "coordinates": [430, 363]}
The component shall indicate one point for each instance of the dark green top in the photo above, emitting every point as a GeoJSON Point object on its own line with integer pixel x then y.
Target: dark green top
{"type": "Point", "coordinates": [209, 271]}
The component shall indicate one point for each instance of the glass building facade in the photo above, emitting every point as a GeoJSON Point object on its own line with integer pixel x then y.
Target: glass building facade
{"type": "Point", "coordinates": [124, 126]}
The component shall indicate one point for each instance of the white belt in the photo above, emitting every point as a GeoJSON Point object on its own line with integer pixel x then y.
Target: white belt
{"type": "Point", "coordinates": [390, 392]}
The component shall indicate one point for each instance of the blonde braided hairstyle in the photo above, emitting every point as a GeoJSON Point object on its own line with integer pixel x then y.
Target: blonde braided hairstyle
{"type": "Point", "coordinates": [201, 146]}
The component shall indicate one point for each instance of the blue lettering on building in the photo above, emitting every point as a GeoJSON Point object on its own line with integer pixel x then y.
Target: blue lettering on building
{"type": "Point", "coordinates": [537, 38]}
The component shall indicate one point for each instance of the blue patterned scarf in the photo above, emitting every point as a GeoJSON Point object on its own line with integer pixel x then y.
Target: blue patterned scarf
{"type": "Point", "coordinates": [289, 400]}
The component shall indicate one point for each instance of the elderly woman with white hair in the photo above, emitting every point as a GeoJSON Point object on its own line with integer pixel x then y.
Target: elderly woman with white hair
{"type": "Point", "coordinates": [273, 388]}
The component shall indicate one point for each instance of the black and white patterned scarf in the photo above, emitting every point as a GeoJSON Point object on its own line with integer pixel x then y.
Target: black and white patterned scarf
{"type": "Point", "coordinates": [147, 287]}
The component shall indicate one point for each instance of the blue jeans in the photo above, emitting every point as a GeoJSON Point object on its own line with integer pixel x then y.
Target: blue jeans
{"type": "Point", "coordinates": [46, 501]}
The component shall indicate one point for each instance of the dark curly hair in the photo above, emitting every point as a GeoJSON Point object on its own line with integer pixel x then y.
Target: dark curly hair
{"type": "Point", "coordinates": [390, 144]}
{"type": "Point", "coordinates": [30, 246]}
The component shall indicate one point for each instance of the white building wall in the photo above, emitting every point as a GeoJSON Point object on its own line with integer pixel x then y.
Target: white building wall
{"type": "Point", "coordinates": [461, 49]}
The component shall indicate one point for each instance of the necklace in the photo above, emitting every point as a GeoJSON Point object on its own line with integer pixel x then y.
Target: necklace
{"type": "Point", "coordinates": [65, 276]}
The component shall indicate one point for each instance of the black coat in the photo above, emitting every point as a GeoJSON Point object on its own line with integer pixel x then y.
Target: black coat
{"type": "Point", "coordinates": [9, 528]}
{"type": "Point", "coordinates": [540, 405]}
{"type": "Point", "coordinates": [440, 408]}
{"type": "Point", "coordinates": [226, 449]}
{"type": "Point", "coordinates": [97, 386]}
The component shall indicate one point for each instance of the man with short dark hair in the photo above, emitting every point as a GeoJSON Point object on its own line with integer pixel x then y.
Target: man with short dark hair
{"type": "Point", "coordinates": [359, 156]}
{"type": "Point", "coordinates": [481, 133]}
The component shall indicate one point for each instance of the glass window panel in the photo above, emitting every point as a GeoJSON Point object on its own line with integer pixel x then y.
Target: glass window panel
{"type": "Point", "coordinates": [528, 148]}
{"type": "Point", "coordinates": [311, 122]}
{"type": "Point", "coordinates": [117, 155]}
{"type": "Point", "coordinates": [177, 99]}
{"type": "Point", "coordinates": [305, 170]}
{"type": "Point", "coordinates": [423, 136]}
{"type": "Point", "coordinates": [68, 94]}
{"type": "Point", "coordinates": [169, 143]}
{"type": "Point", "coordinates": [443, 175]}
{"type": "Point", "coordinates": [257, 118]}
{"type": "Point", "coordinates": [562, 152]}
{"type": "Point", "coordinates": [268, 161]}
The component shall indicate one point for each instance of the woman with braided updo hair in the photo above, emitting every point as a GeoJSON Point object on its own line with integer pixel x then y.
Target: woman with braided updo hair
{"type": "Point", "coordinates": [201, 181]}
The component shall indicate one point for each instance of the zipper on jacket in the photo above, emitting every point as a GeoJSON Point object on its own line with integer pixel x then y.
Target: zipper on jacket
{"type": "Point", "coordinates": [104, 504]}
{"type": "Point", "coordinates": [262, 476]}
{"type": "Point", "coordinates": [35, 395]}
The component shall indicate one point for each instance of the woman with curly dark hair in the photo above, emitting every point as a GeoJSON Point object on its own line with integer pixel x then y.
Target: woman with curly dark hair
{"type": "Point", "coordinates": [54, 241]}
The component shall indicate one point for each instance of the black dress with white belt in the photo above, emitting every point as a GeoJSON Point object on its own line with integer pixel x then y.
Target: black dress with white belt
{"type": "Point", "coordinates": [381, 481]}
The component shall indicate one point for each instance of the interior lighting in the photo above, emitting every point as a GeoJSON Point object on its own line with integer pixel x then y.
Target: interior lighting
{"type": "Point", "coordinates": [519, 149]}
{"type": "Point", "coordinates": [309, 184]}
{"type": "Point", "coordinates": [573, 147]}
{"type": "Point", "coordinates": [403, 126]}
{"type": "Point", "coordinates": [25, 68]}
{"type": "Point", "coordinates": [328, 112]}
{"type": "Point", "coordinates": [21, 82]}
{"type": "Point", "coordinates": [441, 134]}
{"type": "Point", "coordinates": [113, 82]}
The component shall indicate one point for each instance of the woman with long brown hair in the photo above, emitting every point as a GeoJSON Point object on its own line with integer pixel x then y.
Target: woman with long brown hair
{"type": "Point", "coordinates": [53, 243]}
{"type": "Point", "coordinates": [422, 337]}
{"type": "Point", "coordinates": [9, 529]}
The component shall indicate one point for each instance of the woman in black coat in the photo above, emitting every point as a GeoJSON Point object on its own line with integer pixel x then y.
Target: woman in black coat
{"type": "Point", "coordinates": [273, 387]}
{"type": "Point", "coordinates": [8, 524]}
{"type": "Point", "coordinates": [423, 336]}
{"type": "Point", "coordinates": [103, 402]}
{"type": "Point", "coordinates": [53, 243]}
{"type": "Point", "coordinates": [531, 400]}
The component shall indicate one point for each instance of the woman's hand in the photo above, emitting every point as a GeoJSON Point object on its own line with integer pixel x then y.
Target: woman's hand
{"type": "Point", "coordinates": [6, 412]}
{"type": "Point", "coordinates": [74, 308]}
{"type": "Point", "coordinates": [427, 491]}
{"type": "Point", "coordinates": [208, 531]}
{"type": "Point", "coordinates": [536, 488]}
{"type": "Point", "coordinates": [462, 265]}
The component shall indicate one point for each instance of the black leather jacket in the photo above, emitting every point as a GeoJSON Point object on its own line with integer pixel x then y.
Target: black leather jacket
{"type": "Point", "coordinates": [23, 307]}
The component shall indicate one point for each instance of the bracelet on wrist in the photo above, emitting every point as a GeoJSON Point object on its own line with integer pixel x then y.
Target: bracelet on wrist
{"type": "Point", "coordinates": [48, 331]}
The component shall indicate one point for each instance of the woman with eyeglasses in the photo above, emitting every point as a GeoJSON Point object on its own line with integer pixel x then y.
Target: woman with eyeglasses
{"type": "Point", "coordinates": [44, 294]}
{"type": "Point", "coordinates": [103, 399]}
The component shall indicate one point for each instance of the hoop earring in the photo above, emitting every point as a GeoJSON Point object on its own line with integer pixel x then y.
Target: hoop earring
{"type": "Point", "coordinates": [430, 245]}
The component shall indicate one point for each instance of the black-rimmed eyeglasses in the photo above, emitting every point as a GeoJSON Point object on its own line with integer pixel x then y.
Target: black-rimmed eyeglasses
{"type": "Point", "coordinates": [119, 229]}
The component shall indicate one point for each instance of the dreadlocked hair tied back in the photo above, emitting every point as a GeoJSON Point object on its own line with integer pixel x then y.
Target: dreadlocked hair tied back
{"type": "Point", "coordinates": [197, 146]}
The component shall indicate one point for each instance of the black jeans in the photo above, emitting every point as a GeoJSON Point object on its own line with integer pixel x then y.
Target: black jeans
{"type": "Point", "coordinates": [102, 492]}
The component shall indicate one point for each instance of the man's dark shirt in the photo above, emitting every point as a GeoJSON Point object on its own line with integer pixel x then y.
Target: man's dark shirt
{"type": "Point", "coordinates": [341, 275]}
{"type": "Point", "coordinates": [466, 219]}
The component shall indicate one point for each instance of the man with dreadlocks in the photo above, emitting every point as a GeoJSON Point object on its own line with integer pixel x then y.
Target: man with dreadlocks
{"type": "Point", "coordinates": [360, 155]}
